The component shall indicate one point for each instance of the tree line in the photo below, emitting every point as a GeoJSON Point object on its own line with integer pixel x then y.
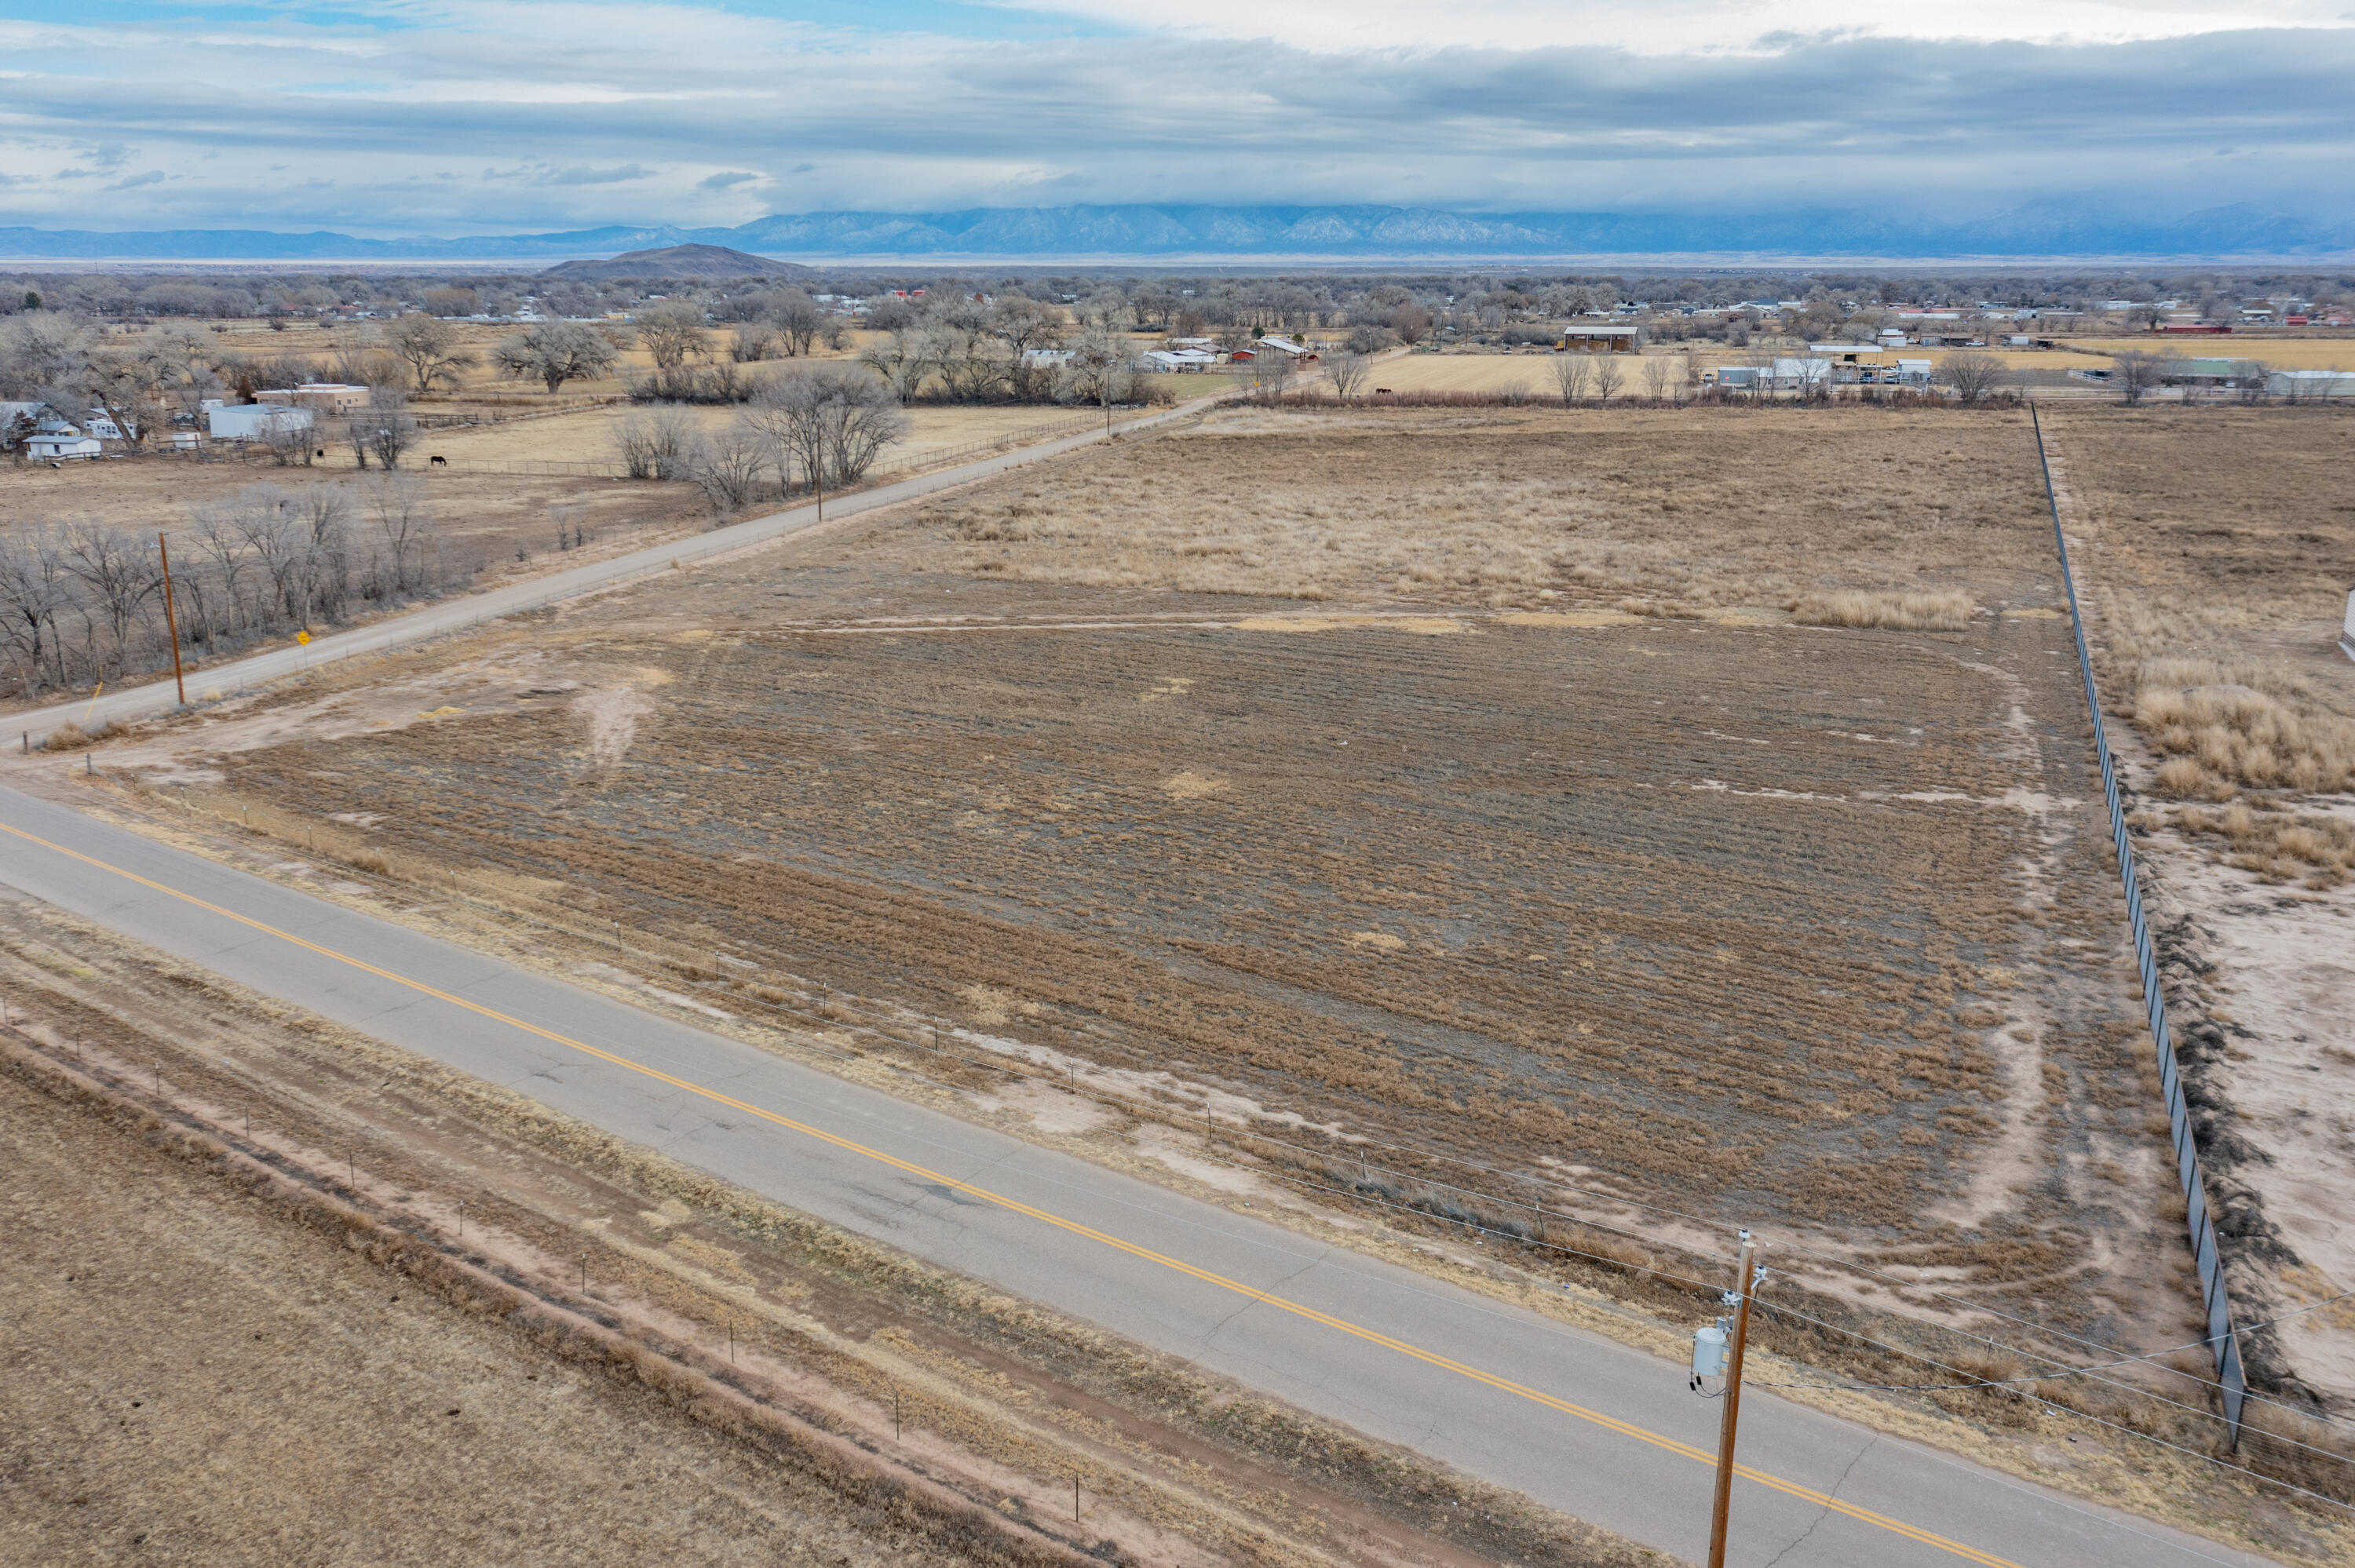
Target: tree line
{"type": "Point", "coordinates": [82, 602]}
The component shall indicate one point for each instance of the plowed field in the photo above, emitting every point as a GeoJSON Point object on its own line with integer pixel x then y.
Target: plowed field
{"type": "Point", "coordinates": [1770, 922]}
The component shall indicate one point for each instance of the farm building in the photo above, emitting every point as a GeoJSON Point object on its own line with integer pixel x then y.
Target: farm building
{"type": "Point", "coordinates": [2210, 372]}
{"type": "Point", "coordinates": [255, 422]}
{"type": "Point", "coordinates": [2300, 384]}
{"type": "Point", "coordinates": [1172, 360]}
{"type": "Point", "coordinates": [325, 397]}
{"type": "Point", "coordinates": [1599, 339]}
{"type": "Point", "coordinates": [1299, 351]}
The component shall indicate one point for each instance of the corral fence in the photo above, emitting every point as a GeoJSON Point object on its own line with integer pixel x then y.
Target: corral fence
{"type": "Point", "coordinates": [2232, 1377]}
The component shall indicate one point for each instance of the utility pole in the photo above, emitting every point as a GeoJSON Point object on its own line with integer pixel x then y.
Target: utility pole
{"type": "Point", "coordinates": [1744, 1281]}
{"type": "Point", "coordinates": [171, 620]}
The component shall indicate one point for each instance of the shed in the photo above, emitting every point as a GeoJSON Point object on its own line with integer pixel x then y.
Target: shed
{"type": "Point", "coordinates": [255, 422]}
{"type": "Point", "coordinates": [1583, 338]}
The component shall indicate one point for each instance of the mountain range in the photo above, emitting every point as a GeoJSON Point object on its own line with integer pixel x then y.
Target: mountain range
{"type": "Point", "coordinates": [2056, 228]}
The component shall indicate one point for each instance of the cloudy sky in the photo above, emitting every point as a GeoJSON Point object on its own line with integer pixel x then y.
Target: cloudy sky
{"type": "Point", "coordinates": [388, 116]}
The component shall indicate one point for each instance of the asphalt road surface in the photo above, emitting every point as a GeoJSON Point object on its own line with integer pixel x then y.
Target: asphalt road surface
{"type": "Point", "coordinates": [135, 703]}
{"type": "Point", "coordinates": [1582, 1424]}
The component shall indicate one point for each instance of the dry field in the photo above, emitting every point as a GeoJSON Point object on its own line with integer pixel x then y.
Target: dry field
{"type": "Point", "coordinates": [1769, 921]}
{"type": "Point", "coordinates": [2281, 353]}
{"type": "Point", "coordinates": [2217, 549]}
{"type": "Point", "coordinates": [215, 1359]}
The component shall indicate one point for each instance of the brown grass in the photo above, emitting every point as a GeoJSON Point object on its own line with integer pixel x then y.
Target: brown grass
{"type": "Point", "coordinates": [1889, 612]}
{"type": "Point", "coordinates": [71, 737]}
{"type": "Point", "coordinates": [1511, 508]}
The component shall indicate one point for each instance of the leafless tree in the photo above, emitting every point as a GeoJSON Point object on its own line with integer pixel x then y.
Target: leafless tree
{"type": "Point", "coordinates": [903, 359]}
{"type": "Point", "coordinates": [1607, 378]}
{"type": "Point", "coordinates": [34, 585]}
{"type": "Point", "coordinates": [402, 516]}
{"type": "Point", "coordinates": [185, 365]}
{"type": "Point", "coordinates": [830, 421]}
{"type": "Point", "coordinates": [1347, 370]}
{"type": "Point", "coordinates": [38, 350]}
{"type": "Point", "coordinates": [656, 443]}
{"type": "Point", "coordinates": [556, 352]}
{"type": "Point", "coordinates": [429, 350]}
{"type": "Point", "coordinates": [1659, 378]}
{"type": "Point", "coordinates": [730, 465]}
{"type": "Point", "coordinates": [119, 568]}
{"type": "Point", "coordinates": [381, 429]}
{"type": "Point", "coordinates": [1272, 372]}
{"type": "Point", "coordinates": [1972, 376]}
{"type": "Point", "coordinates": [1572, 371]}
{"type": "Point", "coordinates": [1022, 323]}
{"type": "Point", "coordinates": [798, 321]}
{"type": "Point", "coordinates": [672, 333]}
{"type": "Point", "coordinates": [1369, 338]}
{"type": "Point", "coordinates": [2137, 373]}
{"type": "Point", "coordinates": [357, 361]}
{"type": "Point", "coordinates": [753, 342]}
{"type": "Point", "coordinates": [2250, 379]}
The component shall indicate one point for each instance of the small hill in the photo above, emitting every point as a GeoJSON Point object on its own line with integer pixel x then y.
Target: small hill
{"type": "Point", "coordinates": [697, 262]}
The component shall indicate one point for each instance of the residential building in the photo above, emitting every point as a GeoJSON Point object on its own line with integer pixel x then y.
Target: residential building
{"type": "Point", "coordinates": [255, 422]}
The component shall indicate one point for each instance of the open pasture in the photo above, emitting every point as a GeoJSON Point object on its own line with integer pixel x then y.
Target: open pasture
{"type": "Point", "coordinates": [1759, 919]}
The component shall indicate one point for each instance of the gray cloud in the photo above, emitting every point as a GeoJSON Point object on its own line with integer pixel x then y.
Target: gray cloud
{"type": "Point", "coordinates": [930, 123]}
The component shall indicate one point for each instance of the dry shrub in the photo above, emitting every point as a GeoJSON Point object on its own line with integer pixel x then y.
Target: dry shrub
{"type": "Point", "coordinates": [2276, 844]}
{"type": "Point", "coordinates": [71, 737]}
{"type": "Point", "coordinates": [1889, 612]}
{"type": "Point", "coordinates": [2181, 778]}
{"type": "Point", "coordinates": [2194, 708]}
{"type": "Point", "coordinates": [368, 860]}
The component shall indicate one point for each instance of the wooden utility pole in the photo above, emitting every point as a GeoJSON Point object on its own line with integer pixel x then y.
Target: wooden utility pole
{"type": "Point", "coordinates": [1743, 1278]}
{"type": "Point", "coordinates": [172, 619]}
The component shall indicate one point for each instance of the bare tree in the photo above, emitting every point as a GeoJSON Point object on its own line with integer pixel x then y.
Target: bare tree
{"type": "Point", "coordinates": [431, 351]}
{"type": "Point", "coordinates": [38, 350]}
{"type": "Point", "coordinates": [672, 333]}
{"type": "Point", "coordinates": [728, 465]}
{"type": "Point", "coordinates": [1272, 371]}
{"type": "Point", "coordinates": [185, 365]}
{"type": "Point", "coordinates": [1572, 371]}
{"type": "Point", "coordinates": [1347, 370]}
{"type": "Point", "coordinates": [556, 352]}
{"type": "Point", "coordinates": [402, 516]}
{"type": "Point", "coordinates": [2137, 375]}
{"type": "Point", "coordinates": [1659, 378]}
{"type": "Point", "coordinates": [656, 443]}
{"type": "Point", "coordinates": [355, 361]}
{"type": "Point", "coordinates": [753, 342]}
{"type": "Point", "coordinates": [903, 360]}
{"type": "Point", "coordinates": [33, 590]}
{"type": "Point", "coordinates": [2250, 379]}
{"type": "Point", "coordinates": [382, 429]}
{"type": "Point", "coordinates": [1971, 375]}
{"type": "Point", "coordinates": [831, 421]}
{"type": "Point", "coordinates": [120, 570]}
{"type": "Point", "coordinates": [1607, 378]}
{"type": "Point", "coordinates": [798, 321]}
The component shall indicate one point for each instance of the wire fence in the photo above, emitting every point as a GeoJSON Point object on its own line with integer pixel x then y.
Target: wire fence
{"type": "Point", "coordinates": [907, 463]}
{"type": "Point", "coordinates": [2231, 1377]}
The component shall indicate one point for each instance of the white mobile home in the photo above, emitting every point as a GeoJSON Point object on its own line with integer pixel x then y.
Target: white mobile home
{"type": "Point", "coordinates": [255, 422]}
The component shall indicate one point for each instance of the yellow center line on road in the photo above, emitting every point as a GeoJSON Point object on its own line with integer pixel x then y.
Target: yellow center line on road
{"type": "Point", "coordinates": [1298, 1309]}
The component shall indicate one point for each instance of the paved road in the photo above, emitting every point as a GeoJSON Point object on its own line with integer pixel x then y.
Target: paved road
{"type": "Point", "coordinates": [135, 703]}
{"type": "Point", "coordinates": [1580, 1423]}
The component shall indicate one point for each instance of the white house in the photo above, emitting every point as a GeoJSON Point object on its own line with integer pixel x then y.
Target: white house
{"type": "Point", "coordinates": [96, 423]}
{"type": "Point", "coordinates": [1178, 359]}
{"type": "Point", "coordinates": [60, 442]}
{"type": "Point", "coordinates": [1914, 372]}
{"type": "Point", "coordinates": [255, 422]}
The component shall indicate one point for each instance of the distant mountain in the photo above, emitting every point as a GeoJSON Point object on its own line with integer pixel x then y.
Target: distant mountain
{"type": "Point", "coordinates": [2056, 228]}
{"type": "Point", "coordinates": [699, 263]}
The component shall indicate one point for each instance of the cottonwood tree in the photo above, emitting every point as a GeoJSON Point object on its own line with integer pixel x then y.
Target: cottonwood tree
{"type": "Point", "coordinates": [1348, 371]}
{"type": "Point", "coordinates": [38, 350]}
{"type": "Point", "coordinates": [402, 516]}
{"type": "Point", "coordinates": [34, 587]}
{"type": "Point", "coordinates": [1571, 373]}
{"type": "Point", "coordinates": [798, 321]}
{"type": "Point", "coordinates": [656, 443]}
{"type": "Point", "coordinates": [1659, 378]}
{"type": "Point", "coordinates": [185, 365]}
{"type": "Point", "coordinates": [903, 359]}
{"type": "Point", "coordinates": [672, 333]}
{"type": "Point", "coordinates": [1607, 378]}
{"type": "Point", "coordinates": [556, 352]}
{"type": "Point", "coordinates": [429, 350]}
{"type": "Point", "coordinates": [1972, 376]}
{"type": "Point", "coordinates": [2137, 375]}
{"type": "Point", "coordinates": [120, 570]}
{"type": "Point", "coordinates": [382, 429]}
{"type": "Point", "coordinates": [830, 421]}
{"type": "Point", "coordinates": [728, 465]}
